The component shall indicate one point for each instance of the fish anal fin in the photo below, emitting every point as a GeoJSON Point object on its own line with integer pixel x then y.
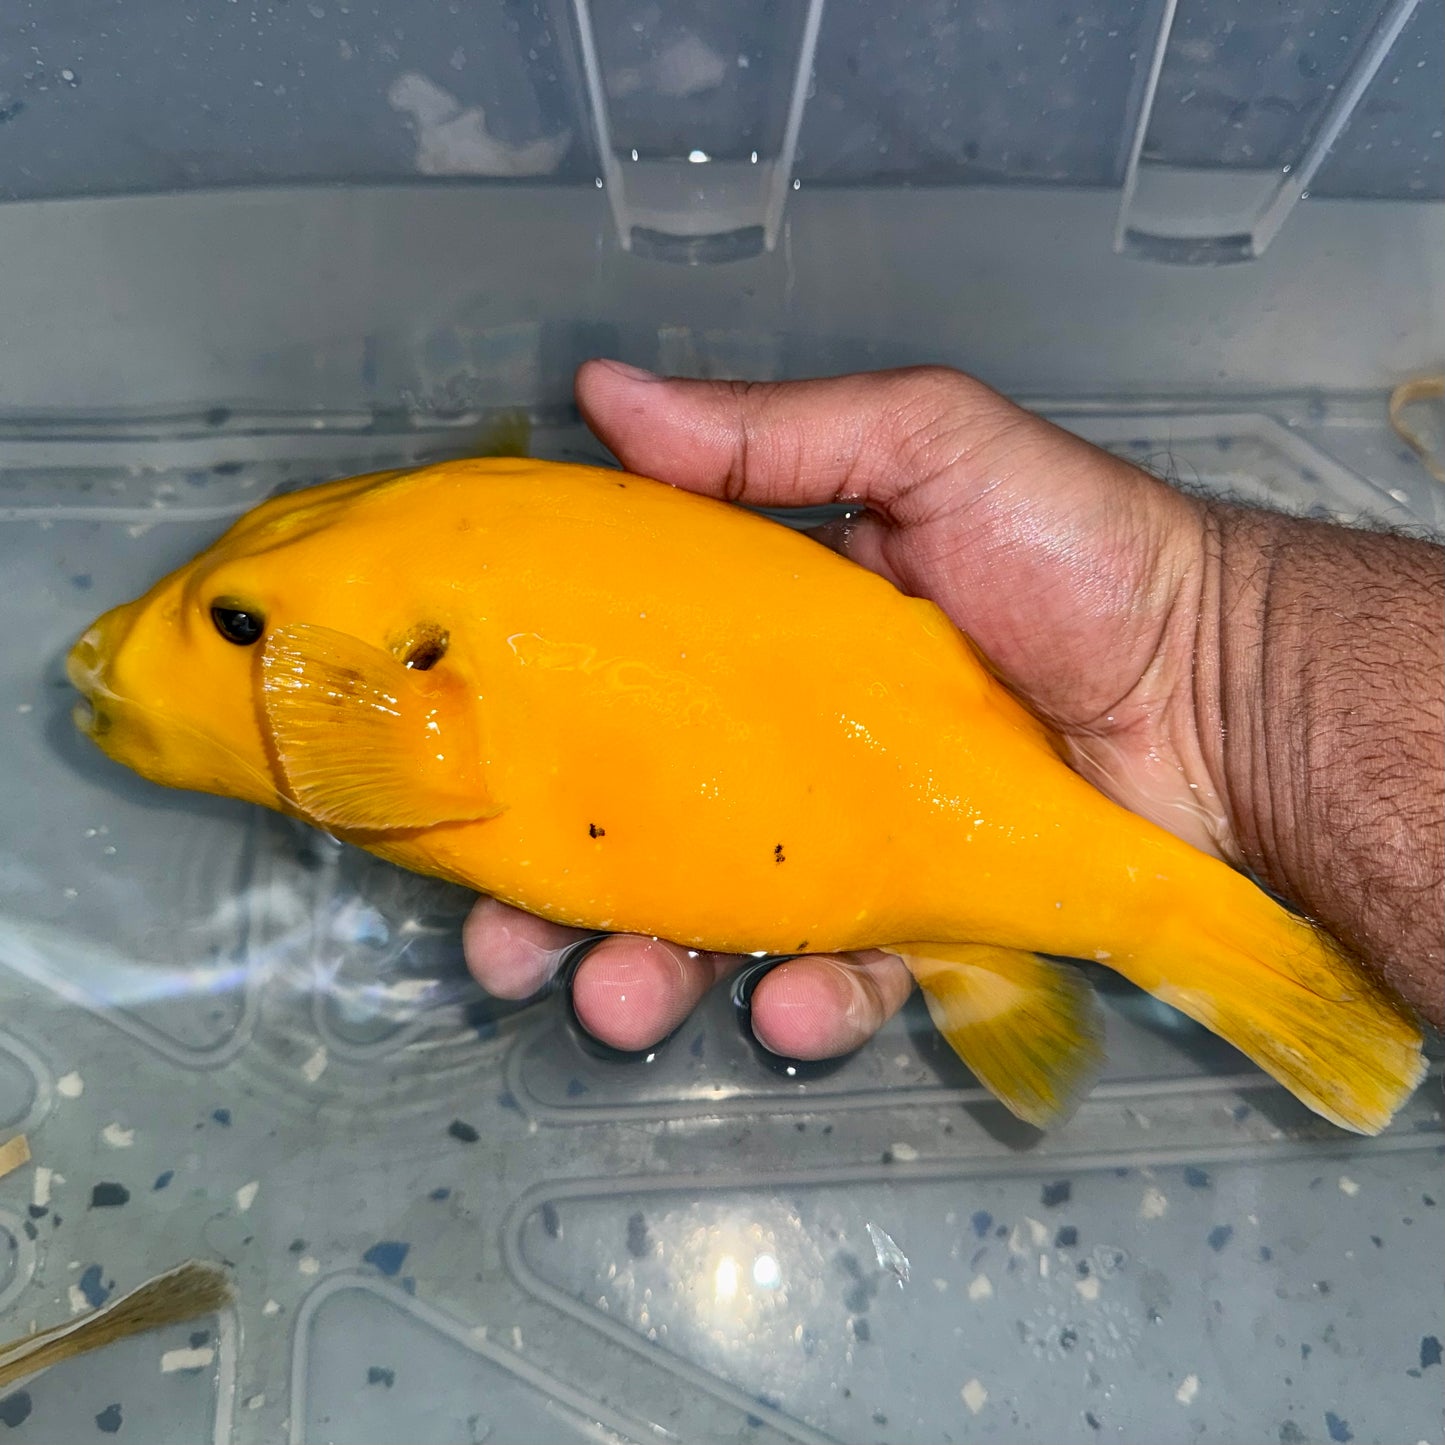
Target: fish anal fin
{"type": "Point", "coordinates": [366, 744]}
{"type": "Point", "coordinates": [1029, 1028]}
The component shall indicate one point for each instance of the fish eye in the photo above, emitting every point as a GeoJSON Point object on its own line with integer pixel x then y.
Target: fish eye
{"type": "Point", "coordinates": [424, 647]}
{"type": "Point", "coordinates": [237, 624]}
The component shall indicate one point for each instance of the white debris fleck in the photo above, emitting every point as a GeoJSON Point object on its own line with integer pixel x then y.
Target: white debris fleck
{"type": "Point", "coordinates": [941, 1285]}
{"type": "Point", "coordinates": [1188, 1390]}
{"type": "Point", "coordinates": [308, 1264]}
{"type": "Point", "coordinates": [516, 1337]}
{"type": "Point", "coordinates": [453, 140]}
{"type": "Point", "coordinates": [40, 1197]}
{"type": "Point", "coordinates": [1016, 1243]}
{"type": "Point", "coordinates": [479, 1333]}
{"type": "Point", "coordinates": [117, 1137]}
{"type": "Point", "coordinates": [901, 1061]}
{"type": "Point", "coordinates": [315, 1066]}
{"type": "Point", "coordinates": [270, 1308]}
{"type": "Point", "coordinates": [1348, 1185]}
{"type": "Point", "coordinates": [974, 1396]}
{"type": "Point", "coordinates": [78, 1302]}
{"type": "Point", "coordinates": [1088, 1287]}
{"type": "Point", "coordinates": [246, 1195]}
{"type": "Point", "coordinates": [980, 1287]}
{"type": "Point", "coordinates": [1043, 1266]}
{"type": "Point", "coordinates": [887, 1252]}
{"type": "Point", "coordinates": [23, 707]}
{"type": "Point", "coordinates": [1154, 1204]}
{"type": "Point", "coordinates": [254, 1402]}
{"type": "Point", "coordinates": [1038, 1232]}
{"type": "Point", "coordinates": [196, 1359]}
{"type": "Point", "coordinates": [904, 1153]}
{"type": "Point", "coordinates": [70, 1086]}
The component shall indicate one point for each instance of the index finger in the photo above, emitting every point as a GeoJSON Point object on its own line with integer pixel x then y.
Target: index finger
{"type": "Point", "coordinates": [871, 438]}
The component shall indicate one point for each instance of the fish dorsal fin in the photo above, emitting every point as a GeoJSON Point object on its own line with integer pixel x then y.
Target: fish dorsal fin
{"type": "Point", "coordinates": [1029, 1028]}
{"type": "Point", "coordinates": [365, 743]}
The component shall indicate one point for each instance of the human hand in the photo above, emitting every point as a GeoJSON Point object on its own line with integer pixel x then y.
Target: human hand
{"type": "Point", "coordinates": [1077, 574]}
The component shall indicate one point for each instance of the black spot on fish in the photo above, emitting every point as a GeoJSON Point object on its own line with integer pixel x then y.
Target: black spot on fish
{"type": "Point", "coordinates": [1196, 1178]}
{"type": "Point", "coordinates": [1429, 1351]}
{"type": "Point", "coordinates": [108, 1421]}
{"type": "Point", "coordinates": [15, 1409]}
{"type": "Point", "coordinates": [862, 1331]}
{"type": "Point", "coordinates": [551, 1221]}
{"type": "Point", "coordinates": [439, 1193]}
{"type": "Point", "coordinates": [1219, 1236]}
{"type": "Point", "coordinates": [222, 1117]}
{"type": "Point", "coordinates": [9, 112]}
{"type": "Point", "coordinates": [1091, 1420]}
{"type": "Point", "coordinates": [1057, 1193]}
{"type": "Point", "coordinates": [1266, 1253]}
{"type": "Point", "coordinates": [380, 1375]}
{"type": "Point", "coordinates": [37, 1211]}
{"type": "Point", "coordinates": [28, 1225]}
{"type": "Point", "coordinates": [802, 945]}
{"type": "Point", "coordinates": [227, 469]}
{"type": "Point", "coordinates": [199, 1338]}
{"type": "Point", "coordinates": [109, 1195]}
{"type": "Point", "coordinates": [879, 1418]}
{"type": "Point", "coordinates": [778, 853]}
{"type": "Point", "coordinates": [638, 1241]}
{"type": "Point", "coordinates": [593, 831]}
{"type": "Point", "coordinates": [1305, 1351]}
{"type": "Point", "coordinates": [83, 581]}
{"type": "Point", "coordinates": [426, 647]}
{"type": "Point", "coordinates": [1291, 1434]}
{"type": "Point", "coordinates": [1067, 1237]}
{"type": "Point", "coordinates": [164, 1178]}
{"type": "Point", "coordinates": [460, 1129]}
{"type": "Point", "coordinates": [1377, 1241]}
{"type": "Point", "coordinates": [297, 1246]}
{"type": "Point", "coordinates": [218, 416]}
{"type": "Point", "coordinates": [575, 1088]}
{"type": "Point", "coordinates": [1428, 1200]}
{"type": "Point", "coordinates": [1339, 1429]}
{"type": "Point", "coordinates": [1068, 1338]}
{"type": "Point", "coordinates": [982, 1221]}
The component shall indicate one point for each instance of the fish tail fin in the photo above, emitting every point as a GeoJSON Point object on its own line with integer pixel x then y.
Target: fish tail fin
{"type": "Point", "coordinates": [191, 1290]}
{"type": "Point", "coordinates": [1287, 995]}
{"type": "Point", "coordinates": [1029, 1028]}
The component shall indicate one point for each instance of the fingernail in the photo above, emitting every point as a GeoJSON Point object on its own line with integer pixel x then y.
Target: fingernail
{"type": "Point", "coordinates": [632, 373]}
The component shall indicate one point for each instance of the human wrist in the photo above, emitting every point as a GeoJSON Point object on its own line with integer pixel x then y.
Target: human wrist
{"type": "Point", "coordinates": [1321, 691]}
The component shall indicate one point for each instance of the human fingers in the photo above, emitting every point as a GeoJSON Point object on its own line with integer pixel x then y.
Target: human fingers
{"type": "Point", "coordinates": [631, 992]}
{"type": "Point", "coordinates": [869, 438]}
{"type": "Point", "coordinates": [510, 953]}
{"type": "Point", "coordinates": [822, 1005]}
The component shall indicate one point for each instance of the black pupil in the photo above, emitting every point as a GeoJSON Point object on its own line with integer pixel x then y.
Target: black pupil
{"type": "Point", "coordinates": [238, 626]}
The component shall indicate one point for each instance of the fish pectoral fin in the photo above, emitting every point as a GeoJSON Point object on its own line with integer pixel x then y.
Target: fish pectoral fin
{"type": "Point", "coordinates": [1029, 1028]}
{"type": "Point", "coordinates": [365, 743]}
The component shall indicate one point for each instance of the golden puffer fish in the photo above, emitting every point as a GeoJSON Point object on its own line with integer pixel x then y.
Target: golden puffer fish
{"type": "Point", "coordinates": [626, 707]}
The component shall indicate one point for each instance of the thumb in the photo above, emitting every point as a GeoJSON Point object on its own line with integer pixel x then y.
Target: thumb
{"type": "Point", "coordinates": [868, 438]}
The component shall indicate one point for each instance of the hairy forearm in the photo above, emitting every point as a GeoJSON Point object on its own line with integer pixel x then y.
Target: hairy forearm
{"type": "Point", "coordinates": [1323, 704]}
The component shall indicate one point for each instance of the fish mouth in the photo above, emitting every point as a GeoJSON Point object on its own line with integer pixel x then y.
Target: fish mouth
{"type": "Point", "coordinates": [85, 670]}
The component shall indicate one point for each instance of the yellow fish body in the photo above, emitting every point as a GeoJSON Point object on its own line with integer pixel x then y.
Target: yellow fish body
{"type": "Point", "coordinates": [625, 707]}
